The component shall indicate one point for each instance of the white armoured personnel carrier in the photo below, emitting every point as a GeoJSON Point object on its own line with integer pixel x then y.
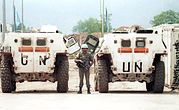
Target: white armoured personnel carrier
{"type": "Point", "coordinates": [35, 57]}
{"type": "Point", "coordinates": [131, 57]}
{"type": "Point", "coordinates": [170, 34]}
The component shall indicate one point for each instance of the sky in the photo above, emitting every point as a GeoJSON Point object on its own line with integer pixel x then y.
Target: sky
{"type": "Point", "coordinates": [66, 13]}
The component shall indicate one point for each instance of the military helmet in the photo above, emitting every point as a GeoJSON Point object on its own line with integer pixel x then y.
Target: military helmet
{"type": "Point", "coordinates": [84, 46]}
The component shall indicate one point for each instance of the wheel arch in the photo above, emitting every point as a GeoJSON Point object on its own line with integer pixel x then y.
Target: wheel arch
{"type": "Point", "coordinates": [106, 57]}
{"type": "Point", "coordinates": [58, 58]}
{"type": "Point", "coordinates": [157, 58]}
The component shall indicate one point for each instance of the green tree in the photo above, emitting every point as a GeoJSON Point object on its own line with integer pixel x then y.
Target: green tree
{"type": "Point", "coordinates": [167, 17]}
{"type": "Point", "coordinates": [92, 25]}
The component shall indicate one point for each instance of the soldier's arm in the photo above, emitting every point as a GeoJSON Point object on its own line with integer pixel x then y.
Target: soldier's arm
{"type": "Point", "coordinates": [77, 59]}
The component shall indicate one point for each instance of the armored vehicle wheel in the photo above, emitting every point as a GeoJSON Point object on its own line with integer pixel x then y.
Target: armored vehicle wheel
{"type": "Point", "coordinates": [6, 76]}
{"type": "Point", "coordinates": [149, 86]}
{"type": "Point", "coordinates": [13, 86]}
{"type": "Point", "coordinates": [102, 76]}
{"type": "Point", "coordinates": [96, 84]}
{"type": "Point", "coordinates": [62, 75]}
{"type": "Point", "coordinates": [159, 80]}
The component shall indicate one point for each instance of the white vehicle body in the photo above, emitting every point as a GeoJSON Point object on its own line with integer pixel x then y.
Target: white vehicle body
{"type": "Point", "coordinates": [130, 57]}
{"type": "Point", "coordinates": [35, 57]}
{"type": "Point", "coordinates": [31, 57]}
{"type": "Point", "coordinates": [170, 34]}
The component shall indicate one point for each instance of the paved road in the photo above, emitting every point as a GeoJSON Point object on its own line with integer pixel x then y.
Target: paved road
{"type": "Point", "coordinates": [122, 96]}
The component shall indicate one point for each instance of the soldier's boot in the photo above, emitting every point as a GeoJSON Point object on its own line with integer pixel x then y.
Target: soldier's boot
{"type": "Point", "coordinates": [80, 90]}
{"type": "Point", "coordinates": [88, 91]}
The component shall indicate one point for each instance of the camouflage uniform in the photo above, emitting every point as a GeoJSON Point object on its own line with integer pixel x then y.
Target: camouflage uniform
{"type": "Point", "coordinates": [85, 71]}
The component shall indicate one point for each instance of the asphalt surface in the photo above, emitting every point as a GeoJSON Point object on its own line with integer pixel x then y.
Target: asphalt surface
{"type": "Point", "coordinates": [122, 96]}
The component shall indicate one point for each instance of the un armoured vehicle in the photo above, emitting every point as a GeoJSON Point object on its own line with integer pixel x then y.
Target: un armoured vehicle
{"type": "Point", "coordinates": [35, 57]}
{"type": "Point", "coordinates": [131, 57]}
{"type": "Point", "coordinates": [170, 34]}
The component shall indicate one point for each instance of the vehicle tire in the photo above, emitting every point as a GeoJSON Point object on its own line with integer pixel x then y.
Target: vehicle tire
{"type": "Point", "coordinates": [102, 76]}
{"type": "Point", "coordinates": [149, 86]}
{"type": "Point", "coordinates": [6, 76]}
{"type": "Point", "coordinates": [62, 75]}
{"type": "Point", "coordinates": [96, 84]}
{"type": "Point", "coordinates": [13, 85]}
{"type": "Point", "coordinates": [159, 80]}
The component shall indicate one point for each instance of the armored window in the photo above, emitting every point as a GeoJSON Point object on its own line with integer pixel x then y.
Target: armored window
{"type": "Point", "coordinates": [125, 43]}
{"type": "Point", "coordinates": [41, 42]}
{"type": "Point", "coordinates": [71, 41]}
{"type": "Point", "coordinates": [140, 43]}
{"type": "Point", "coordinates": [92, 42]}
{"type": "Point", "coordinates": [26, 42]}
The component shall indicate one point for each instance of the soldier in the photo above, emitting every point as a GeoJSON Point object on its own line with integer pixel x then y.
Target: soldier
{"type": "Point", "coordinates": [84, 61]}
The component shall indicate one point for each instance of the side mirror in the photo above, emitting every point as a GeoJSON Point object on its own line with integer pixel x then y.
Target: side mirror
{"type": "Point", "coordinates": [72, 45]}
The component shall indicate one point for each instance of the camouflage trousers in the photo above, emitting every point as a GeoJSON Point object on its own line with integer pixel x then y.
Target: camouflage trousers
{"type": "Point", "coordinates": [84, 73]}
